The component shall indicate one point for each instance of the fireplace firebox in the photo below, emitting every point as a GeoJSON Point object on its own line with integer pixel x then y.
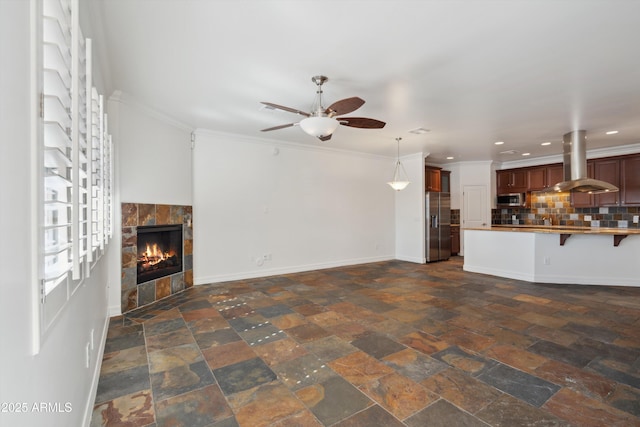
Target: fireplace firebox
{"type": "Point", "coordinates": [159, 251]}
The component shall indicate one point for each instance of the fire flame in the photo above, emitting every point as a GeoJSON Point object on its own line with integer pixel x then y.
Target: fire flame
{"type": "Point", "coordinates": [153, 255]}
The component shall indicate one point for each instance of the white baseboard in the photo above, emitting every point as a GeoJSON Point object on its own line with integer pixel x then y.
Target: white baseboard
{"type": "Point", "coordinates": [102, 339]}
{"type": "Point", "coordinates": [114, 310]}
{"type": "Point", "coordinates": [411, 259]}
{"type": "Point", "coordinates": [497, 272]}
{"type": "Point", "coordinates": [285, 270]}
{"type": "Point", "coordinates": [554, 279]}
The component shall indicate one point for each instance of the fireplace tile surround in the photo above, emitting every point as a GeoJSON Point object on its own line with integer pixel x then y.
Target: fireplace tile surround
{"type": "Point", "coordinates": [140, 214]}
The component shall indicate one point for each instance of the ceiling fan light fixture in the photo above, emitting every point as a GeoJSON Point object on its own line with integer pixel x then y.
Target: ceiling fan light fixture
{"type": "Point", "coordinates": [319, 126]}
{"type": "Point", "coordinates": [400, 179]}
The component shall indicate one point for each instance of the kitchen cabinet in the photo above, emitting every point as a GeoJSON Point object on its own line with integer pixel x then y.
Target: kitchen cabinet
{"type": "Point", "coordinates": [512, 181]}
{"type": "Point", "coordinates": [455, 240]}
{"type": "Point", "coordinates": [445, 181]}
{"type": "Point", "coordinates": [555, 174]}
{"type": "Point", "coordinates": [630, 181]}
{"type": "Point", "coordinates": [432, 181]}
{"type": "Point", "coordinates": [622, 171]}
{"type": "Point", "coordinates": [537, 178]}
{"type": "Point", "coordinates": [607, 170]}
{"type": "Point", "coordinates": [584, 200]}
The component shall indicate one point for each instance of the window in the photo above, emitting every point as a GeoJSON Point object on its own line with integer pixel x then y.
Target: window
{"type": "Point", "coordinates": [76, 155]}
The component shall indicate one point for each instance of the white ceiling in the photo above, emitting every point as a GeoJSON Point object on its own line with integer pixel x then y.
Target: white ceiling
{"type": "Point", "coordinates": [472, 72]}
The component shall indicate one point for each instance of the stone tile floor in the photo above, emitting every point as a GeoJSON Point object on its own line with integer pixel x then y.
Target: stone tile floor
{"type": "Point", "coordinates": [382, 344]}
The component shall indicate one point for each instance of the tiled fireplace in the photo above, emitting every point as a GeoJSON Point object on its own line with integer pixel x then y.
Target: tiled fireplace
{"type": "Point", "coordinates": [157, 252]}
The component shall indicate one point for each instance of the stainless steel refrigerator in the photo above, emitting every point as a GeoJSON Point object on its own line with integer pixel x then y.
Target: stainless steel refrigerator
{"type": "Point", "coordinates": [438, 226]}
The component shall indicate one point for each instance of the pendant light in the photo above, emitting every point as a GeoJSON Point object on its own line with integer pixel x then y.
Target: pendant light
{"type": "Point", "coordinates": [400, 179]}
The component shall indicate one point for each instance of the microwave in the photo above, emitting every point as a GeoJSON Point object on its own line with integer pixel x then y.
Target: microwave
{"type": "Point", "coordinates": [512, 199]}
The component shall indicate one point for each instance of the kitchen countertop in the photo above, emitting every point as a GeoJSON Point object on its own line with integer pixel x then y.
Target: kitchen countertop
{"type": "Point", "coordinates": [561, 229]}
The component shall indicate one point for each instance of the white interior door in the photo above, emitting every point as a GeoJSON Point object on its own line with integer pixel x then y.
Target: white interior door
{"type": "Point", "coordinates": [475, 209]}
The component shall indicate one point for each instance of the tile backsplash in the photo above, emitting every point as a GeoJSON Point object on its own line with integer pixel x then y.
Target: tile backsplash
{"type": "Point", "coordinates": [556, 209]}
{"type": "Point", "coordinates": [455, 216]}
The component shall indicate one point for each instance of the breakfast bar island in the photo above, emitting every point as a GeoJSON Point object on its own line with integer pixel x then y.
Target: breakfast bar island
{"type": "Point", "coordinates": [555, 254]}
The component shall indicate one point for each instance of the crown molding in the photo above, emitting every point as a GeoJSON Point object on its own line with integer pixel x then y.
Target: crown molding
{"type": "Point", "coordinates": [290, 145]}
{"type": "Point", "coordinates": [130, 101]}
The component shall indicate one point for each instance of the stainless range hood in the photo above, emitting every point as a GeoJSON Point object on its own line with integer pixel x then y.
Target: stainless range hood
{"type": "Point", "coordinates": [575, 167]}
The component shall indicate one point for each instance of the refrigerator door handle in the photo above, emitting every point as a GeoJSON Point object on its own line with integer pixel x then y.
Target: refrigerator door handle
{"type": "Point", "coordinates": [434, 221]}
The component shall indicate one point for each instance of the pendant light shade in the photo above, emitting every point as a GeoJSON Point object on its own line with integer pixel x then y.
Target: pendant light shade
{"type": "Point", "coordinates": [319, 126]}
{"type": "Point", "coordinates": [400, 179]}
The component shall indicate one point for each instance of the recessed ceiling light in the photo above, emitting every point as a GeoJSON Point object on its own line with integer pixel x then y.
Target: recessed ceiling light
{"type": "Point", "coordinates": [546, 143]}
{"type": "Point", "coordinates": [612, 132]}
{"type": "Point", "coordinates": [450, 158]}
{"type": "Point", "coordinates": [526, 154]}
{"type": "Point", "coordinates": [419, 131]}
{"type": "Point", "coordinates": [499, 142]}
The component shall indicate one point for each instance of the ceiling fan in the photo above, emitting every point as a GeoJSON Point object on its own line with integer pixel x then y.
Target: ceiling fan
{"type": "Point", "coordinates": [322, 122]}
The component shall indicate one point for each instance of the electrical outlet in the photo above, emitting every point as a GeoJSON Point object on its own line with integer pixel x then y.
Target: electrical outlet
{"type": "Point", "coordinates": [636, 218]}
{"type": "Point", "coordinates": [547, 260]}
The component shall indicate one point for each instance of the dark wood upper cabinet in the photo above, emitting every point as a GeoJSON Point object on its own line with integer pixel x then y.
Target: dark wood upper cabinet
{"type": "Point", "coordinates": [555, 174]}
{"type": "Point", "coordinates": [537, 178]}
{"type": "Point", "coordinates": [512, 181]}
{"type": "Point", "coordinates": [622, 171]}
{"type": "Point", "coordinates": [432, 180]}
{"type": "Point", "coordinates": [584, 200]}
{"type": "Point", "coordinates": [607, 170]}
{"type": "Point", "coordinates": [630, 181]}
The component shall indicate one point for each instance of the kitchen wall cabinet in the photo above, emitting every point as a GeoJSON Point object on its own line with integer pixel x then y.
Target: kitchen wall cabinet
{"type": "Point", "coordinates": [522, 180]}
{"type": "Point", "coordinates": [584, 200]}
{"type": "Point", "coordinates": [621, 171]}
{"type": "Point", "coordinates": [445, 181]}
{"type": "Point", "coordinates": [555, 174]}
{"type": "Point", "coordinates": [537, 178]}
{"type": "Point", "coordinates": [512, 181]}
{"type": "Point", "coordinates": [607, 170]}
{"type": "Point", "coordinates": [630, 181]}
{"type": "Point", "coordinates": [432, 179]}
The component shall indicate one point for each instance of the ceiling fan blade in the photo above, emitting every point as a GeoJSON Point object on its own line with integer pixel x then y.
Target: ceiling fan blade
{"type": "Point", "coordinates": [279, 127]}
{"type": "Point", "coordinates": [283, 108]}
{"type": "Point", "coordinates": [344, 106]}
{"type": "Point", "coordinates": [361, 122]}
{"type": "Point", "coordinates": [324, 138]}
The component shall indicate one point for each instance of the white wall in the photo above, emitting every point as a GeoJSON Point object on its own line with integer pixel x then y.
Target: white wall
{"type": "Point", "coordinates": [154, 154]}
{"type": "Point", "coordinates": [410, 212]}
{"type": "Point", "coordinates": [57, 374]}
{"type": "Point", "coordinates": [306, 207]}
